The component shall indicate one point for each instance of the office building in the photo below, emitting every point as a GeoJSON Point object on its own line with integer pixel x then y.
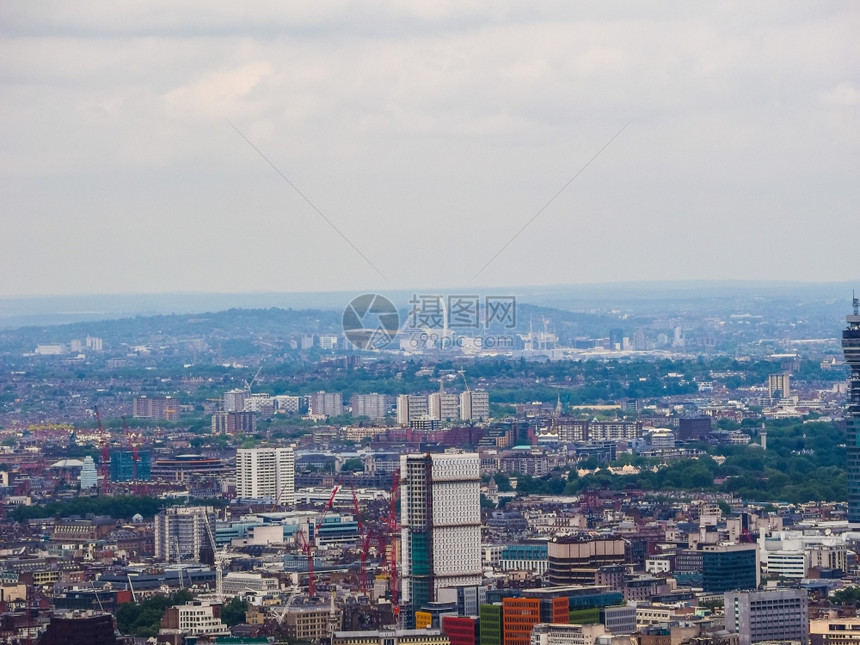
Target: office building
{"type": "Point", "coordinates": [474, 405]}
{"type": "Point", "coordinates": [124, 469]}
{"type": "Point", "coordinates": [462, 630]}
{"type": "Point", "coordinates": [180, 532]}
{"type": "Point", "coordinates": [779, 386]}
{"type": "Point", "coordinates": [196, 619]}
{"type": "Point", "coordinates": [694, 427]}
{"type": "Point", "coordinates": [80, 628]}
{"type": "Point", "coordinates": [268, 473]}
{"type": "Point", "coordinates": [391, 637]}
{"type": "Point", "coordinates": [329, 404]}
{"type": "Point", "coordinates": [519, 616]}
{"type": "Point", "coordinates": [160, 408]}
{"type": "Point", "coordinates": [576, 560]}
{"type": "Point", "coordinates": [773, 616]}
{"type": "Point", "coordinates": [851, 349]}
{"type": "Point", "coordinates": [562, 634]}
{"type": "Point", "coordinates": [726, 567]}
{"type": "Point", "coordinates": [441, 520]}
{"type": "Point", "coordinates": [374, 406]}
{"type": "Point", "coordinates": [834, 631]}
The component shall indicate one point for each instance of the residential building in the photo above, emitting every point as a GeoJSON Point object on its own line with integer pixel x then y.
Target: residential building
{"type": "Point", "coordinates": [443, 406]}
{"type": "Point", "coordinates": [268, 473]}
{"type": "Point", "coordinates": [409, 407]}
{"type": "Point", "coordinates": [475, 405]}
{"type": "Point", "coordinates": [180, 532]}
{"type": "Point", "coordinates": [441, 524]}
{"type": "Point", "coordinates": [758, 616]}
{"type": "Point", "coordinates": [835, 631]}
{"type": "Point", "coordinates": [374, 406]}
{"type": "Point", "coordinates": [329, 404]}
{"type": "Point", "coordinates": [160, 408]}
{"type": "Point", "coordinates": [234, 423]}
{"type": "Point", "coordinates": [779, 386]}
{"type": "Point", "coordinates": [309, 622]}
{"type": "Point", "coordinates": [233, 401]}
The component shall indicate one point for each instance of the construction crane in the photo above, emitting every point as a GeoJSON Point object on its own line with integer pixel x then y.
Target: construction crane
{"type": "Point", "coordinates": [292, 597]}
{"type": "Point", "coordinates": [250, 383]}
{"type": "Point", "coordinates": [133, 443]}
{"type": "Point", "coordinates": [178, 561]}
{"type": "Point", "coordinates": [364, 544]}
{"type": "Point", "coordinates": [393, 530]}
{"type": "Point", "coordinates": [219, 560]}
{"type": "Point", "coordinates": [104, 441]}
{"type": "Point", "coordinates": [463, 374]}
{"type": "Point", "coordinates": [308, 551]}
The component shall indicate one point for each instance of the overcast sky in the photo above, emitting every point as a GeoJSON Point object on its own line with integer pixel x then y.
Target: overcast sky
{"type": "Point", "coordinates": [428, 133]}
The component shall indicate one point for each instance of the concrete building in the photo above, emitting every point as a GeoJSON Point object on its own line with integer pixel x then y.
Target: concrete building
{"type": "Point", "coordinates": [181, 531]}
{"type": "Point", "coordinates": [391, 637]}
{"type": "Point", "coordinates": [779, 386]}
{"type": "Point", "coordinates": [409, 407]}
{"type": "Point", "coordinates": [474, 405]}
{"type": "Point", "coordinates": [234, 423]}
{"type": "Point", "coordinates": [443, 406]}
{"type": "Point", "coordinates": [329, 404]}
{"type": "Point", "coordinates": [758, 616]}
{"type": "Point", "coordinates": [834, 631]}
{"type": "Point", "coordinates": [561, 634]}
{"type": "Point", "coordinates": [160, 408]}
{"type": "Point", "coordinates": [441, 520]}
{"type": "Point", "coordinates": [233, 401]}
{"type": "Point", "coordinates": [196, 619]}
{"type": "Point", "coordinates": [374, 406]}
{"type": "Point", "coordinates": [266, 473]}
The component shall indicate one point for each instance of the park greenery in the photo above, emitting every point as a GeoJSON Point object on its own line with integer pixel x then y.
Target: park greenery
{"type": "Point", "coordinates": [803, 462]}
{"type": "Point", "coordinates": [143, 619]}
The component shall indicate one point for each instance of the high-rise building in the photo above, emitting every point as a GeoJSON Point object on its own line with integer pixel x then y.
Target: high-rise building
{"type": "Point", "coordinates": [409, 407]}
{"type": "Point", "coordinates": [443, 406]}
{"type": "Point", "coordinates": [441, 520]}
{"type": "Point", "coordinates": [851, 349]}
{"type": "Point", "coordinates": [374, 406]}
{"type": "Point", "coordinates": [772, 616]}
{"type": "Point", "coordinates": [164, 408]}
{"type": "Point", "coordinates": [328, 403]}
{"type": "Point", "coordinates": [234, 422]}
{"type": "Point", "coordinates": [89, 476]}
{"type": "Point", "coordinates": [474, 405]}
{"type": "Point", "coordinates": [233, 401]}
{"type": "Point", "coordinates": [266, 473]}
{"type": "Point", "coordinates": [181, 531]}
{"type": "Point", "coordinates": [779, 386]}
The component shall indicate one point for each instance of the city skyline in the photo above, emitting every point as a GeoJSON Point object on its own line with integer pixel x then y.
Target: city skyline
{"type": "Point", "coordinates": [145, 144]}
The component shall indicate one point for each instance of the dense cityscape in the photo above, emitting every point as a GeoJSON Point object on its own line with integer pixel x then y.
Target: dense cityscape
{"type": "Point", "coordinates": [487, 472]}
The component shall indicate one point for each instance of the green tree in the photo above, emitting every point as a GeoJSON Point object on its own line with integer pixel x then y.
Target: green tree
{"type": "Point", "coordinates": [234, 611]}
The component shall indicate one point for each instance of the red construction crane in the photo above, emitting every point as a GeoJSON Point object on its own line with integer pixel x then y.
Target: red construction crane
{"type": "Point", "coordinates": [307, 550]}
{"type": "Point", "coordinates": [393, 533]}
{"type": "Point", "coordinates": [133, 443]}
{"type": "Point", "coordinates": [104, 440]}
{"type": "Point", "coordinates": [364, 542]}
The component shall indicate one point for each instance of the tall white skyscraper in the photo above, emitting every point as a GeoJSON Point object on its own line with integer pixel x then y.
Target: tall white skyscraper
{"type": "Point", "coordinates": [441, 523]}
{"type": "Point", "coordinates": [266, 472]}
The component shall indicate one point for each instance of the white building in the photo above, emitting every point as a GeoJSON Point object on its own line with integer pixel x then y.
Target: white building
{"type": "Point", "coordinates": [180, 532]}
{"type": "Point", "coordinates": [474, 405]}
{"type": "Point", "coordinates": [89, 477]}
{"type": "Point", "coordinates": [441, 520]}
{"type": "Point", "coordinates": [409, 407]}
{"type": "Point", "coordinates": [196, 619]}
{"type": "Point", "coordinates": [266, 473]}
{"type": "Point", "coordinates": [559, 634]}
{"type": "Point", "coordinates": [240, 582]}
